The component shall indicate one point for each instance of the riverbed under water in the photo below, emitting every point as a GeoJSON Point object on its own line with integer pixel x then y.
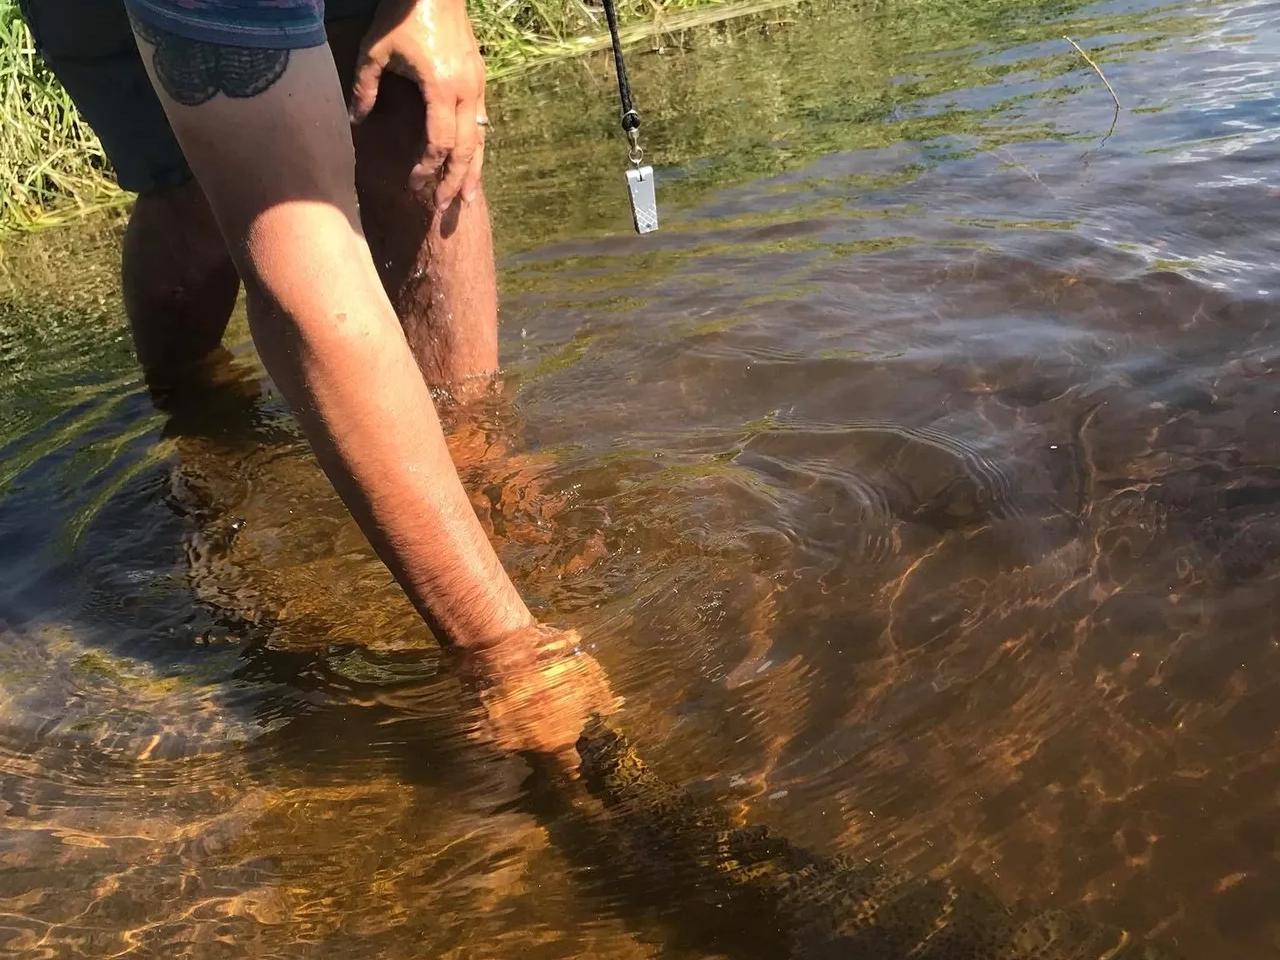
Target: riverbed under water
{"type": "Point", "coordinates": [918, 485]}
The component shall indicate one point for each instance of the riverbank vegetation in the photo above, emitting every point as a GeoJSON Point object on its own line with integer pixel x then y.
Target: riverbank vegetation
{"type": "Point", "coordinates": [52, 166]}
{"type": "Point", "coordinates": [720, 107]}
{"type": "Point", "coordinates": [50, 161]}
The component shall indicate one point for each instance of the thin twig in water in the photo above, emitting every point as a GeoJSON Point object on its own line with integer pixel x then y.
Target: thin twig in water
{"type": "Point", "coordinates": [1003, 155]}
{"type": "Point", "coordinates": [1110, 89]}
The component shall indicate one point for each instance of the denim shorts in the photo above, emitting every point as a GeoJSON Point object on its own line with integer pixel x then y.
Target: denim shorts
{"type": "Point", "coordinates": [89, 47]}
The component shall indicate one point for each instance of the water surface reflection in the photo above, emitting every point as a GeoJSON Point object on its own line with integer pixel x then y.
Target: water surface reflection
{"type": "Point", "coordinates": [917, 486]}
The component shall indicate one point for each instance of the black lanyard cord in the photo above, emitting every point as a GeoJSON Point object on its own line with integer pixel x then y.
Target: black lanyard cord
{"type": "Point", "coordinates": [630, 116]}
{"type": "Point", "coordinates": [644, 203]}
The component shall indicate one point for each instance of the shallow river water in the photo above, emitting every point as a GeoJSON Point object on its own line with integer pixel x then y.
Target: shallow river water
{"type": "Point", "coordinates": [918, 485]}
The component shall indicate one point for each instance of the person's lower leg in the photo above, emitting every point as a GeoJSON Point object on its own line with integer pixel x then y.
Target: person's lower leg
{"type": "Point", "coordinates": [179, 283]}
{"type": "Point", "coordinates": [444, 291]}
{"type": "Point", "coordinates": [437, 266]}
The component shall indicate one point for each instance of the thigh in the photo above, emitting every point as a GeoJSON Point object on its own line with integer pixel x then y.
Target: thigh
{"type": "Point", "coordinates": [89, 47]}
{"type": "Point", "coordinates": [387, 145]}
{"type": "Point", "coordinates": [393, 135]}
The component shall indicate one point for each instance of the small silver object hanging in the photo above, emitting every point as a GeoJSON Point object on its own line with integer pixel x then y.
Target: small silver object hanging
{"type": "Point", "coordinates": [644, 204]}
{"type": "Point", "coordinates": [644, 200]}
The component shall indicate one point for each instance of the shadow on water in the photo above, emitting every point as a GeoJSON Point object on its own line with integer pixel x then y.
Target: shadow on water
{"type": "Point", "coordinates": [917, 486]}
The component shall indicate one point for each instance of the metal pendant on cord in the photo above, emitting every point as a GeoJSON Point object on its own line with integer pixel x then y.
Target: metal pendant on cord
{"type": "Point", "coordinates": [644, 202]}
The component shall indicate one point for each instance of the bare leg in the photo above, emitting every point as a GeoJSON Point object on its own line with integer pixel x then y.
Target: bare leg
{"type": "Point", "coordinates": [179, 283]}
{"type": "Point", "coordinates": [437, 266]}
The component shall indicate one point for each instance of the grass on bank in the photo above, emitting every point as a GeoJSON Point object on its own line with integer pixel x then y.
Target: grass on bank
{"type": "Point", "coordinates": [52, 165]}
{"type": "Point", "coordinates": [50, 161]}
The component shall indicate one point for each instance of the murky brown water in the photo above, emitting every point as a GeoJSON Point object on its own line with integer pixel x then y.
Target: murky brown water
{"type": "Point", "coordinates": [917, 486]}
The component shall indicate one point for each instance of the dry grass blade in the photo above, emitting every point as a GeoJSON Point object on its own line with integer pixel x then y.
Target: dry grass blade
{"type": "Point", "coordinates": [1102, 76]}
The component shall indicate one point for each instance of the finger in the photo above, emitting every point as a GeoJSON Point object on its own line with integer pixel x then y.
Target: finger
{"type": "Point", "coordinates": [559, 641]}
{"type": "Point", "coordinates": [364, 87]}
{"type": "Point", "coordinates": [440, 127]}
{"type": "Point", "coordinates": [471, 185]}
{"type": "Point", "coordinates": [567, 761]}
{"type": "Point", "coordinates": [466, 136]}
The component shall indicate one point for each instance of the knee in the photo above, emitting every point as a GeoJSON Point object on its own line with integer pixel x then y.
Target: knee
{"type": "Point", "coordinates": [176, 224]}
{"type": "Point", "coordinates": [174, 254]}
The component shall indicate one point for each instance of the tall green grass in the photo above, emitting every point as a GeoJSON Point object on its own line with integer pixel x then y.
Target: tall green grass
{"type": "Point", "coordinates": [52, 165]}
{"type": "Point", "coordinates": [50, 161]}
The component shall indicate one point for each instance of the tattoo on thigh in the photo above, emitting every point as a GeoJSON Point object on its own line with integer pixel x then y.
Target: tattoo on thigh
{"type": "Point", "coordinates": [192, 71]}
